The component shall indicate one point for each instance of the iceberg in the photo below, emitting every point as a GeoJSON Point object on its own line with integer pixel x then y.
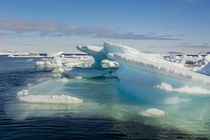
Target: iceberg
{"type": "Point", "coordinates": [139, 72]}
{"type": "Point", "coordinates": [134, 58]}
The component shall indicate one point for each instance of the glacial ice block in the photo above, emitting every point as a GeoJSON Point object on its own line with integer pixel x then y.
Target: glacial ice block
{"type": "Point", "coordinates": [139, 72]}
{"type": "Point", "coordinates": [130, 57]}
{"type": "Point", "coordinates": [100, 57]}
{"type": "Point", "coordinates": [96, 52]}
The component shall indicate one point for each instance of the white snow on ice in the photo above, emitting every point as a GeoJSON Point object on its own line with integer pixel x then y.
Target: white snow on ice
{"type": "Point", "coordinates": [109, 64]}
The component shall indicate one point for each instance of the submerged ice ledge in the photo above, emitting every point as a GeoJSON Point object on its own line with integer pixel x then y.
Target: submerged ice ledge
{"type": "Point", "coordinates": [175, 100]}
{"type": "Point", "coordinates": [23, 96]}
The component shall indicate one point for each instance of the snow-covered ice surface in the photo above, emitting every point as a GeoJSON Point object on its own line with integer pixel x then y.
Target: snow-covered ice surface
{"type": "Point", "coordinates": [123, 84]}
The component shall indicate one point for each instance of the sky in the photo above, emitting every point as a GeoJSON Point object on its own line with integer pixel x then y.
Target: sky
{"type": "Point", "coordinates": [148, 25]}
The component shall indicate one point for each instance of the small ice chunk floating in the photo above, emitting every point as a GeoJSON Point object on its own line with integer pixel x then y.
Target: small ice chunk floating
{"type": "Point", "coordinates": [139, 72]}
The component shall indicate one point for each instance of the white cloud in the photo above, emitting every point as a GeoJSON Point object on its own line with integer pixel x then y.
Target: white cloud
{"type": "Point", "coordinates": [23, 25]}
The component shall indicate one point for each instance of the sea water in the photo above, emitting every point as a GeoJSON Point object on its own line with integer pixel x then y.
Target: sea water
{"type": "Point", "coordinates": [104, 109]}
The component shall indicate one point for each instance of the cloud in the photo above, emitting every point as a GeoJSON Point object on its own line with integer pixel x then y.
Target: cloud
{"type": "Point", "coordinates": [45, 28]}
{"type": "Point", "coordinates": [116, 35]}
{"type": "Point", "coordinates": [6, 35]}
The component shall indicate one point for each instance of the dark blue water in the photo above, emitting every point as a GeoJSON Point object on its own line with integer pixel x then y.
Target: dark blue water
{"type": "Point", "coordinates": [16, 73]}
